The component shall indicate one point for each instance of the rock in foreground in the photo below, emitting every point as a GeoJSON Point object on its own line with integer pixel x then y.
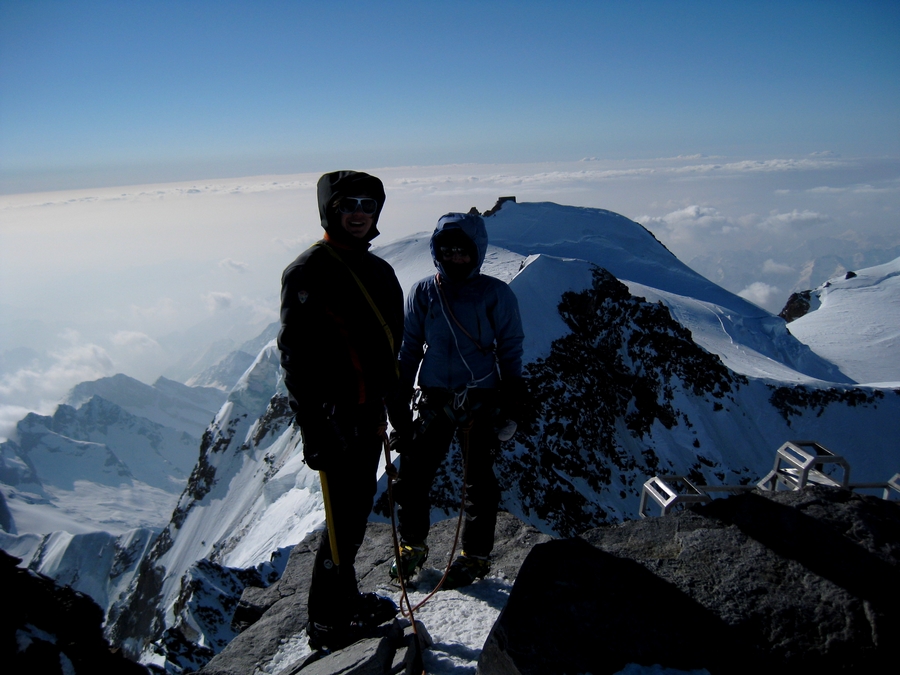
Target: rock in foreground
{"type": "Point", "coordinates": [791, 581]}
{"type": "Point", "coordinates": [48, 628]}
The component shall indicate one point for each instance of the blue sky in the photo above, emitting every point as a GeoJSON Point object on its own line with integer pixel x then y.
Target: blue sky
{"type": "Point", "coordinates": [758, 141]}
{"type": "Point", "coordinates": [109, 93]}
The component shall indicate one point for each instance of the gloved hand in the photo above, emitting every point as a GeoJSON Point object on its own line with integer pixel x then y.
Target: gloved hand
{"type": "Point", "coordinates": [401, 442]}
{"type": "Point", "coordinates": [399, 412]}
{"type": "Point", "coordinates": [509, 407]}
{"type": "Point", "coordinates": [505, 428]}
{"type": "Point", "coordinates": [323, 442]}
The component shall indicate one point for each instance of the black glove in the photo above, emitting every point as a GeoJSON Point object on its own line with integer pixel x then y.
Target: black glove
{"type": "Point", "coordinates": [323, 442]}
{"type": "Point", "coordinates": [401, 442]}
{"type": "Point", "coordinates": [399, 412]}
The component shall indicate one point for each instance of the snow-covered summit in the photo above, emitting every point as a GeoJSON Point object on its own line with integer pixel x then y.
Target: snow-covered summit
{"type": "Point", "coordinates": [612, 241]}
{"type": "Point", "coordinates": [857, 324]}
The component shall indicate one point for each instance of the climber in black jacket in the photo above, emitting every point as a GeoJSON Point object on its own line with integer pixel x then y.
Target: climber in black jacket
{"type": "Point", "coordinates": [341, 327]}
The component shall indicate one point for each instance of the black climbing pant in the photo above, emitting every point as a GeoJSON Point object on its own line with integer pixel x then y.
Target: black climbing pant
{"type": "Point", "coordinates": [436, 423]}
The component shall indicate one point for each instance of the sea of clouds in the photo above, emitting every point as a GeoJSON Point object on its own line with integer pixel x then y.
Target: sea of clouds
{"type": "Point", "coordinates": [135, 279]}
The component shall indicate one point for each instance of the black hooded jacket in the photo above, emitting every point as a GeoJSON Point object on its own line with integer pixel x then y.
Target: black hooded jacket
{"type": "Point", "coordinates": [334, 348]}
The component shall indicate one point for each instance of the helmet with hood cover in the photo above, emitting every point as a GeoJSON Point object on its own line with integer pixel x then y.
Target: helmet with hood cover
{"type": "Point", "coordinates": [465, 230]}
{"type": "Point", "coordinates": [338, 184]}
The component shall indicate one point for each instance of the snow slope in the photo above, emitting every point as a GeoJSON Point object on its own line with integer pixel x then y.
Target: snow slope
{"type": "Point", "coordinates": [746, 336]}
{"type": "Point", "coordinates": [168, 403]}
{"type": "Point", "coordinates": [857, 324]}
{"type": "Point", "coordinates": [610, 240]}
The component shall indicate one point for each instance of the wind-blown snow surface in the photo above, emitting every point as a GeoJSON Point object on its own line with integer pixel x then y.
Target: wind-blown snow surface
{"type": "Point", "coordinates": [857, 324]}
{"type": "Point", "coordinates": [750, 340]}
{"type": "Point", "coordinates": [650, 369]}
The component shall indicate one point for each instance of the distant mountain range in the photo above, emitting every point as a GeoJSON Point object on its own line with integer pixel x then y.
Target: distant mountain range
{"type": "Point", "coordinates": [88, 488]}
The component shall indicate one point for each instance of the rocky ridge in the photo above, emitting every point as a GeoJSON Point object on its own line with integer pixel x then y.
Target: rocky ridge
{"type": "Point", "coordinates": [778, 581]}
{"type": "Point", "coordinates": [275, 616]}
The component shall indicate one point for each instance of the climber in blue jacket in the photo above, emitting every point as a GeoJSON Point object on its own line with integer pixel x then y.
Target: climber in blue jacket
{"type": "Point", "coordinates": [463, 337]}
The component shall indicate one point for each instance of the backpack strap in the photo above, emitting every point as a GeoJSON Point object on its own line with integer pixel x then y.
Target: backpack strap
{"type": "Point", "coordinates": [365, 292]}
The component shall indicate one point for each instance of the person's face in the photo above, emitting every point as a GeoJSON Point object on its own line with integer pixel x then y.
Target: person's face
{"type": "Point", "coordinates": [456, 255]}
{"type": "Point", "coordinates": [357, 215]}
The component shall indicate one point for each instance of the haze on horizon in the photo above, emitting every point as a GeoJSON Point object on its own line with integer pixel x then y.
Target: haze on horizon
{"type": "Point", "coordinates": [158, 160]}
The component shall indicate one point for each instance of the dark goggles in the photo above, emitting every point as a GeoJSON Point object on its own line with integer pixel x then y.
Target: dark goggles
{"type": "Point", "coordinates": [365, 204]}
{"type": "Point", "coordinates": [448, 251]}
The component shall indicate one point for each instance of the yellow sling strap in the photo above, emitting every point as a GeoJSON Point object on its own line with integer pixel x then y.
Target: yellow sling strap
{"type": "Point", "coordinates": [384, 325]}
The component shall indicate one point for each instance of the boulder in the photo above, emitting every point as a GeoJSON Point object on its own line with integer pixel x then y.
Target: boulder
{"type": "Point", "coordinates": [789, 581]}
{"type": "Point", "coordinates": [48, 628]}
{"type": "Point", "coordinates": [798, 305]}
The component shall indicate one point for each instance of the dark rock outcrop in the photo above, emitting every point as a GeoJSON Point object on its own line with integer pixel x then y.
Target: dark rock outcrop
{"type": "Point", "coordinates": [594, 402]}
{"type": "Point", "coordinates": [499, 205]}
{"type": "Point", "coordinates": [797, 305]}
{"type": "Point", "coordinates": [7, 522]}
{"type": "Point", "coordinates": [796, 400]}
{"type": "Point", "coordinates": [52, 629]}
{"type": "Point", "coordinates": [390, 648]}
{"type": "Point", "coordinates": [779, 582]}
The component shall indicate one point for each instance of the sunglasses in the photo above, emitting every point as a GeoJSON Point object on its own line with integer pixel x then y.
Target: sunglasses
{"type": "Point", "coordinates": [365, 204]}
{"type": "Point", "coordinates": [447, 251]}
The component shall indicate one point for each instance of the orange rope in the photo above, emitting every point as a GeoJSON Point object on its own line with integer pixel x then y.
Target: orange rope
{"type": "Point", "coordinates": [462, 512]}
{"type": "Point", "coordinates": [410, 611]}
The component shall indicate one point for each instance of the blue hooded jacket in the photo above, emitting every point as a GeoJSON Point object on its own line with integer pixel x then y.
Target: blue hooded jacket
{"type": "Point", "coordinates": [486, 348]}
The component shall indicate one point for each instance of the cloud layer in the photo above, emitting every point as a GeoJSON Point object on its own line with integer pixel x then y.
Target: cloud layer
{"type": "Point", "coordinates": [137, 276]}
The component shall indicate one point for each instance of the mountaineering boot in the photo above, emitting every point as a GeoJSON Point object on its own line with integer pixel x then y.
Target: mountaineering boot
{"type": "Point", "coordinates": [412, 557]}
{"type": "Point", "coordinates": [369, 611]}
{"type": "Point", "coordinates": [323, 637]}
{"type": "Point", "coordinates": [466, 569]}
{"type": "Point", "coordinates": [373, 610]}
